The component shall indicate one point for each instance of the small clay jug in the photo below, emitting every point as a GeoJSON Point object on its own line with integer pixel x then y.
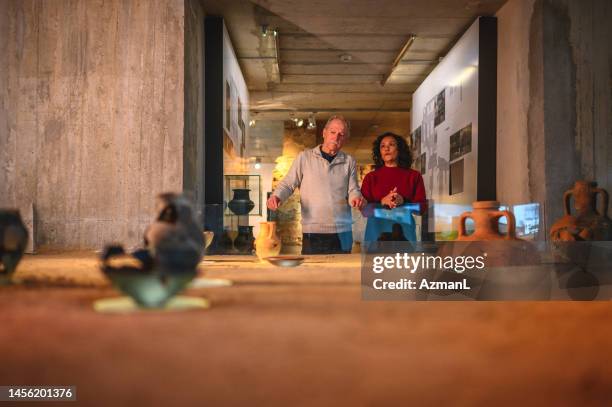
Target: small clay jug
{"type": "Point", "coordinates": [267, 243]}
{"type": "Point", "coordinates": [588, 223]}
{"type": "Point", "coordinates": [486, 216]}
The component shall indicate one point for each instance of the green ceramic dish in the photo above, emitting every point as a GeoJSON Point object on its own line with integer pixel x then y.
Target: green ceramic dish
{"type": "Point", "coordinates": [151, 289]}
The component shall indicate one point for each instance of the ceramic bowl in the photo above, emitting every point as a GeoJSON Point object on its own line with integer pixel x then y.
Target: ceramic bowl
{"type": "Point", "coordinates": [285, 261]}
{"type": "Point", "coordinates": [149, 289]}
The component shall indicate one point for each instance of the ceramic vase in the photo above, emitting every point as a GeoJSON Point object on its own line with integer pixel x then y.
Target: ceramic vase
{"type": "Point", "coordinates": [486, 216]}
{"type": "Point", "coordinates": [267, 243]}
{"type": "Point", "coordinates": [588, 223]}
{"type": "Point", "coordinates": [241, 203]}
{"type": "Point", "coordinates": [245, 241]}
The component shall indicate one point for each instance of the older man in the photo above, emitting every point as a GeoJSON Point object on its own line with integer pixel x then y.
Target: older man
{"type": "Point", "coordinates": [327, 178]}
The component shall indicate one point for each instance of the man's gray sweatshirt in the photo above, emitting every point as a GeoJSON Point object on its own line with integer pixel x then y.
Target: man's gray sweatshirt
{"type": "Point", "coordinates": [325, 190]}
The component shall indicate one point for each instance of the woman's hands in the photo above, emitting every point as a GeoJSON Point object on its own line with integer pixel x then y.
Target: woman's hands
{"type": "Point", "coordinates": [393, 199]}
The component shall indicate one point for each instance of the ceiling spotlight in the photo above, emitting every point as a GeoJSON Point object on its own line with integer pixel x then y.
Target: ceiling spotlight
{"type": "Point", "coordinates": [346, 57]}
{"type": "Point", "coordinates": [312, 123]}
{"type": "Point", "coordinates": [252, 123]}
{"type": "Point", "coordinates": [264, 30]}
{"type": "Point", "coordinates": [275, 32]}
{"type": "Point", "coordinates": [300, 122]}
{"type": "Point", "coordinates": [257, 163]}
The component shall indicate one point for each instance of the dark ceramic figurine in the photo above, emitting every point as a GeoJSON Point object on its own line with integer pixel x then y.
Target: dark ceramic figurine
{"type": "Point", "coordinates": [174, 238]}
{"type": "Point", "coordinates": [174, 245]}
{"type": "Point", "coordinates": [13, 241]}
{"type": "Point", "coordinates": [587, 223]}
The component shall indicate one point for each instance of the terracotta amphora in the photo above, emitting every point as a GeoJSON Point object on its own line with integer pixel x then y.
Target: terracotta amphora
{"type": "Point", "coordinates": [267, 243]}
{"type": "Point", "coordinates": [486, 216]}
{"type": "Point", "coordinates": [588, 223]}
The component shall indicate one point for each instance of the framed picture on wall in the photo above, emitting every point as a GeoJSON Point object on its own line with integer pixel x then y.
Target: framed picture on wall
{"type": "Point", "coordinates": [241, 129]}
{"type": "Point", "coordinates": [456, 178]}
{"type": "Point", "coordinates": [228, 106]}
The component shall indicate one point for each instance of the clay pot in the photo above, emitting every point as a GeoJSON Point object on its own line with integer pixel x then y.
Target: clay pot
{"type": "Point", "coordinates": [267, 243]}
{"type": "Point", "coordinates": [486, 216]}
{"type": "Point", "coordinates": [241, 203]}
{"type": "Point", "coordinates": [587, 223]}
{"type": "Point", "coordinates": [245, 241]}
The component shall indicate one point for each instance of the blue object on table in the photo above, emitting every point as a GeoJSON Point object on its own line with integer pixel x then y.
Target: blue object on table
{"type": "Point", "coordinates": [392, 224]}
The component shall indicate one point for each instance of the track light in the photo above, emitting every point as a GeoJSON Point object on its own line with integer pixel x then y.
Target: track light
{"type": "Point", "coordinates": [312, 123]}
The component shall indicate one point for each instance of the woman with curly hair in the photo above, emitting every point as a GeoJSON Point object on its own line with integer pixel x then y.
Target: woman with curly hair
{"type": "Point", "coordinates": [392, 184]}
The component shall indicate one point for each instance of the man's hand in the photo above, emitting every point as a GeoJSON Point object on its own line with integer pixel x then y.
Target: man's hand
{"type": "Point", "coordinates": [273, 202]}
{"type": "Point", "coordinates": [359, 203]}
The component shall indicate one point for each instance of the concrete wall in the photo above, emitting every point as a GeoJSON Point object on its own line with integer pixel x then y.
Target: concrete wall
{"type": "Point", "coordinates": [513, 101]}
{"type": "Point", "coordinates": [91, 114]}
{"type": "Point", "coordinates": [193, 147]}
{"type": "Point", "coordinates": [554, 95]}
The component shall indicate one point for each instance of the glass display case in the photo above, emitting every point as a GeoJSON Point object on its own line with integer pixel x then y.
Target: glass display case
{"type": "Point", "coordinates": [240, 189]}
{"type": "Point", "coordinates": [242, 199]}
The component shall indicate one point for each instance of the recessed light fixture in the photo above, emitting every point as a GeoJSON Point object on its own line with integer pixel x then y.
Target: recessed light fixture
{"type": "Point", "coordinates": [346, 58]}
{"type": "Point", "coordinates": [257, 163]}
{"type": "Point", "coordinates": [252, 123]}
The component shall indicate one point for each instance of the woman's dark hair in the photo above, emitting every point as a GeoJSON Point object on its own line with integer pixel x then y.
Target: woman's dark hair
{"type": "Point", "coordinates": [404, 158]}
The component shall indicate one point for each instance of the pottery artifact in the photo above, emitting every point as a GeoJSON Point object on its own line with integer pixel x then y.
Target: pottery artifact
{"type": "Point", "coordinates": [486, 216]}
{"type": "Point", "coordinates": [588, 223]}
{"type": "Point", "coordinates": [267, 243]}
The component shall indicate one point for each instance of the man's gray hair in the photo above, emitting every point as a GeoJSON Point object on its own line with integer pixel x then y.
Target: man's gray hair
{"type": "Point", "coordinates": [347, 125]}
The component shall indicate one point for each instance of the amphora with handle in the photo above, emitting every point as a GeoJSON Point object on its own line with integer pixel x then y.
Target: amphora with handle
{"type": "Point", "coordinates": [486, 215]}
{"type": "Point", "coordinates": [589, 222]}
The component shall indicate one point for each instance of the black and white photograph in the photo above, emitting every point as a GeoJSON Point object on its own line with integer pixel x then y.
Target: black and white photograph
{"type": "Point", "coordinates": [440, 108]}
{"type": "Point", "coordinates": [456, 178]}
{"type": "Point", "coordinates": [461, 142]}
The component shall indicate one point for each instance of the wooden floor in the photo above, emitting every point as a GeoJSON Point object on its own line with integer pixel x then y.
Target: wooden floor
{"type": "Point", "coordinates": [297, 337]}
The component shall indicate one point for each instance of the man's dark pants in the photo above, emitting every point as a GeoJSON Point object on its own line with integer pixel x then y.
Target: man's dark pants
{"type": "Point", "coordinates": [327, 243]}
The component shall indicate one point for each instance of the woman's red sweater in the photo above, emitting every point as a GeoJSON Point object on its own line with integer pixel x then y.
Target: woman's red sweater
{"type": "Point", "coordinates": [409, 183]}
